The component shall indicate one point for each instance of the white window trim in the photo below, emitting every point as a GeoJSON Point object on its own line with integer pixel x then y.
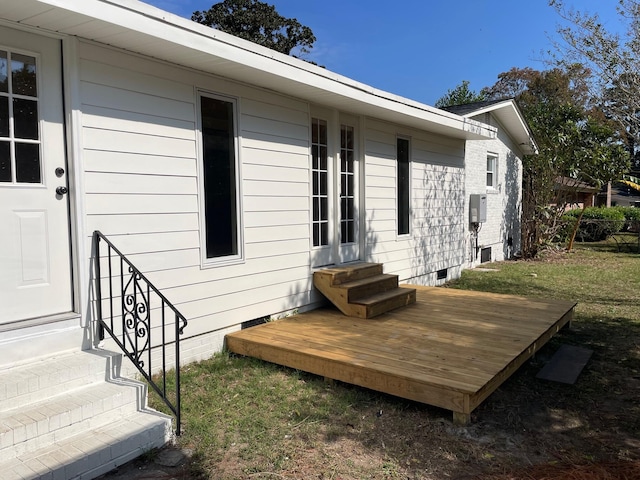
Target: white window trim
{"type": "Point", "coordinates": [239, 257]}
{"type": "Point", "coordinates": [495, 157]}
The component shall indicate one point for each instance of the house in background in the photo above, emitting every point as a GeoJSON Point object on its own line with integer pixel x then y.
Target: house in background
{"type": "Point", "coordinates": [227, 173]}
{"type": "Point", "coordinates": [493, 180]}
{"type": "Point", "coordinates": [574, 193]}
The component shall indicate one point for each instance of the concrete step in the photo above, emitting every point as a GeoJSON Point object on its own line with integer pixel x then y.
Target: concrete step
{"type": "Point", "coordinates": [27, 428]}
{"type": "Point", "coordinates": [71, 416]}
{"type": "Point", "coordinates": [92, 453]}
{"type": "Point", "coordinates": [35, 381]}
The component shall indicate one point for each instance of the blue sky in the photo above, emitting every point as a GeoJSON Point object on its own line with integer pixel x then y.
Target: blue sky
{"type": "Point", "coordinates": [421, 48]}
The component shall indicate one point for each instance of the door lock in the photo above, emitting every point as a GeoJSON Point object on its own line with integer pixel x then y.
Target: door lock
{"type": "Point", "coordinates": [62, 191]}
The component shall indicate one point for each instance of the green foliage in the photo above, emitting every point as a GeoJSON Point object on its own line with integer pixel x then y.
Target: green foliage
{"type": "Point", "coordinates": [460, 95]}
{"type": "Point", "coordinates": [597, 223]}
{"type": "Point", "coordinates": [574, 141]}
{"type": "Point", "coordinates": [259, 23]}
{"type": "Point", "coordinates": [631, 217]}
{"type": "Point", "coordinates": [611, 52]}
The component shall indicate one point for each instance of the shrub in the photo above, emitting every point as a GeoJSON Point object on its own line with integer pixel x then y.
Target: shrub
{"type": "Point", "coordinates": [631, 218]}
{"type": "Point", "coordinates": [597, 223]}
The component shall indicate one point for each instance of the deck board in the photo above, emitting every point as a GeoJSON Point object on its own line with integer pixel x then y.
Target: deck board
{"type": "Point", "coordinates": [451, 349]}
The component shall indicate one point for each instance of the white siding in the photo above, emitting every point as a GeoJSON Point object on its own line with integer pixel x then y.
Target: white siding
{"type": "Point", "coordinates": [140, 162]}
{"type": "Point", "coordinates": [436, 239]}
{"type": "Point", "coordinates": [140, 159]}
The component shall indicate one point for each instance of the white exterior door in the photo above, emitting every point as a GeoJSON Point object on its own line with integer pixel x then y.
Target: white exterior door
{"type": "Point", "coordinates": [35, 265]}
{"type": "Point", "coordinates": [335, 172]}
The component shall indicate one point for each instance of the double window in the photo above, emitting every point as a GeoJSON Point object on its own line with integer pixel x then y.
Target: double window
{"type": "Point", "coordinates": [221, 236]}
{"type": "Point", "coordinates": [19, 120]}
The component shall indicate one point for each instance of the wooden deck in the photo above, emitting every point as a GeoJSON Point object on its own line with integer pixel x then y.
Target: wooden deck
{"type": "Point", "coordinates": [451, 349]}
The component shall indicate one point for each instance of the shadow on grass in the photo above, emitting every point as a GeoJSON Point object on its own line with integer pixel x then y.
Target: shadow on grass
{"type": "Point", "coordinates": [305, 425]}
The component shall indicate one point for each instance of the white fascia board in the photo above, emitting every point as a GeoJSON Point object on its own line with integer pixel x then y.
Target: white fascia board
{"type": "Point", "coordinates": [277, 71]}
{"type": "Point", "coordinates": [511, 116]}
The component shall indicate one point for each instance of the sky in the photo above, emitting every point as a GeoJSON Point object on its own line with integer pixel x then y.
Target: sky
{"type": "Point", "coordinates": [421, 48]}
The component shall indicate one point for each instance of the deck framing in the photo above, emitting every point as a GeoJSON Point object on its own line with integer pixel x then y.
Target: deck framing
{"type": "Point", "coordinates": [450, 349]}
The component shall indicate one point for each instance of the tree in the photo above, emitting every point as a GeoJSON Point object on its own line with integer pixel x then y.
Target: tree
{"type": "Point", "coordinates": [260, 23]}
{"type": "Point", "coordinates": [459, 96]}
{"type": "Point", "coordinates": [614, 60]}
{"type": "Point", "coordinates": [574, 141]}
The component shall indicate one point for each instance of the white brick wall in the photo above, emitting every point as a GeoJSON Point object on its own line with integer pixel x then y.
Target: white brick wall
{"type": "Point", "coordinates": [503, 203]}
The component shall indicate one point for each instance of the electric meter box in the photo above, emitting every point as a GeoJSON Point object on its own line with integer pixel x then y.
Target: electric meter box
{"type": "Point", "coordinates": [478, 208]}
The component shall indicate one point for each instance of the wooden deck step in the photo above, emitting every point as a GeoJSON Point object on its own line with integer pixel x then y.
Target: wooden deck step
{"type": "Point", "coordinates": [355, 271]}
{"type": "Point", "coordinates": [383, 302]}
{"type": "Point", "coordinates": [365, 287]}
{"type": "Point", "coordinates": [362, 290]}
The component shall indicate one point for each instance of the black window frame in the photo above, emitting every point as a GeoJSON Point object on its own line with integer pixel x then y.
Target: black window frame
{"type": "Point", "coordinates": [221, 236]}
{"type": "Point", "coordinates": [403, 160]}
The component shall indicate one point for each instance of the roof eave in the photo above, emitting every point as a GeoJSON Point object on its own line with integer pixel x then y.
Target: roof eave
{"type": "Point", "coordinates": [149, 31]}
{"type": "Point", "coordinates": [510, 115]}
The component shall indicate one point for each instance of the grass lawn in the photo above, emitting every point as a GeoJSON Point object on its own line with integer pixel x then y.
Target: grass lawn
{"type": "Point", "coordinates": [246, 419]}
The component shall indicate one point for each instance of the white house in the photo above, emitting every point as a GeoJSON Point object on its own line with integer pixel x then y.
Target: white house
{"type": "Point", "coordinates": [226, 172]}
{"type": "Point", "coordinates": [494, 178]}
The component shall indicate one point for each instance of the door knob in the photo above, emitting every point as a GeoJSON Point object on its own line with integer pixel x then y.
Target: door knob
{"type": "Point", "coordinates": [62, 191]}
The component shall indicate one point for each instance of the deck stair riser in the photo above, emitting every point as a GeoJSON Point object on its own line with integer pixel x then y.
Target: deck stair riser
{"type": "Point", "coordinates": [361, 290]}
{"type": "Point", "coordinates": [365, 287]}
{"type": "Point", "coordinates": [357, 272]}
{"type": "Point", "coordinates": [72, 416]}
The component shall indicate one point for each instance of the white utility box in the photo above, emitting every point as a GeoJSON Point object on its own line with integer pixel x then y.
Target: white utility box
{"type": "Point", "coordinates": [478, 208]}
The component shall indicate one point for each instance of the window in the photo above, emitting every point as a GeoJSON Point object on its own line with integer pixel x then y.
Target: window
{"type": "Point", "coordinates": [347, 185]}
{"type": "Point", "coordinates": [492, 171]}
{"type": "Point", "coordinates": [19, 120]}
{"type": "Point", "coordinates": [220, 177]}
{"type": "Point", "coordinates": [403, 185]}
{"type": "Point", "coordinates": [320, 179]}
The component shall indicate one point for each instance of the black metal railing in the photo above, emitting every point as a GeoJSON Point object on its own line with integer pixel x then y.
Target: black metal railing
{"type": "Point", "coordinates": [137, 310]}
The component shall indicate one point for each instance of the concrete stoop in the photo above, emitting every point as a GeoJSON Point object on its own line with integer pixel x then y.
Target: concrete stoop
{"type": "Point", "coordinates": [73, 417]}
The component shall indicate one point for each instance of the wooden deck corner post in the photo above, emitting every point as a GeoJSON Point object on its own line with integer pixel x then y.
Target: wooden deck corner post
{"type": "Point", "coordinates": [461, 419]}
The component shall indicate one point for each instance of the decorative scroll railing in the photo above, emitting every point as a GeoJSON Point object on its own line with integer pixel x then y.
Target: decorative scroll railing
{"type": "Point", "coordinates": [138, 314]}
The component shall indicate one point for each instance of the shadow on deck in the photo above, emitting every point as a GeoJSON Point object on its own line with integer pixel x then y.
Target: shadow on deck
{"type": "Point", "coordinates": [450, 349]}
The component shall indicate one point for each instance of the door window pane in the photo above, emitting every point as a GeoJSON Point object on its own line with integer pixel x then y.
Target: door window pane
{"type": "Point", "coordinates": [4, 76]}
{"type": "Point", "coordinates": [25, 118]}
{"type": "Point", "coordinates": [23, 75]}
{"type": "Point", "coordinates": [5, 162]}
{"type": "Point", "coordinates": [4, 117]}
{"type": "Point", "coordinates": [28, 163]}
{"type": "Point", "coordinates": [20, 159]}
{"type": "Point", "coordinates": [320, 179]}
{"type": "Point", "coordinates": [347, 181]}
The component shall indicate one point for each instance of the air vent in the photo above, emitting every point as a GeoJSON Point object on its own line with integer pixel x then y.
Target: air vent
{"type": "Point", "coordinates": [485, 255]}
{"type": "Point", "coordinates": [254, 322]}
{"type": "Point", "coordinates": [442, 274]}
